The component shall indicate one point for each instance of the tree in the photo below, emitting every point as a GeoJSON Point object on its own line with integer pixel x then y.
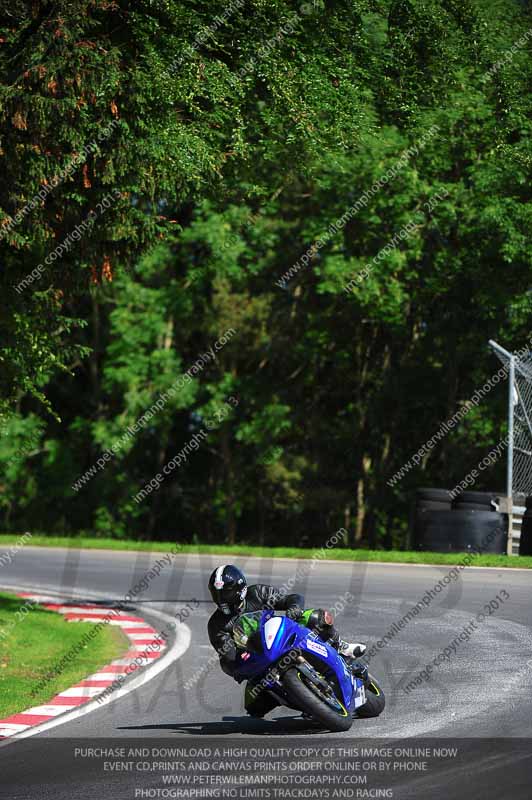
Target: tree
{"type": "Point", "coordinates": [344, 186]}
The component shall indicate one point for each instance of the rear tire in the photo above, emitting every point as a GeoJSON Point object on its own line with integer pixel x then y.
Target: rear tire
{"type": "Point", "coordinates": [525, 542]}
{"type": "Point", "coordinates": [311, 704]}
{"type": "Point", "coordinates": [375, 700]}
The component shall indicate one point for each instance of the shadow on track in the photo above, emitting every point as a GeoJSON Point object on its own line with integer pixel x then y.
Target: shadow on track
{"type": "Point", "coordinates": [282, 726]}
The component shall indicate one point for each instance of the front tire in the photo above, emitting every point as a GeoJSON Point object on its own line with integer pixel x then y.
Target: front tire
{"type": "Point", "coordinates": [375, 700]}
{"type": "Point", "coordinates": [311, 704]}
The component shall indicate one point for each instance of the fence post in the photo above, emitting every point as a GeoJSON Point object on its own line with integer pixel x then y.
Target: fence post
{"type": "Point", "coordinates": [510, 465]}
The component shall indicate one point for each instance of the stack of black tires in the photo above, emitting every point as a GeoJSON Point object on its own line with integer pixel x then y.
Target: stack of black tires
{"type": "Point", "coordinates": [469, 521]}
{"type": "Point", "coordinates": [525, 544]}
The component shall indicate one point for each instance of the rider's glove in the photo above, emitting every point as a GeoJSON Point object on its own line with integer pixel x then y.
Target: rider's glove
{"type": "Point", "coordinates": [294, 613]}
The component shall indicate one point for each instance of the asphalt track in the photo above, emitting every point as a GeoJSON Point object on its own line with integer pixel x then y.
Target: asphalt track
{"type": "Point", "coordinates": [483, 692]}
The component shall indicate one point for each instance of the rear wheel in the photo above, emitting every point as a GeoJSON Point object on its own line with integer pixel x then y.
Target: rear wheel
{"type": "Point", "coordinates": [375, 700]}
{"type": "Point", "coordinates": [325, 709]}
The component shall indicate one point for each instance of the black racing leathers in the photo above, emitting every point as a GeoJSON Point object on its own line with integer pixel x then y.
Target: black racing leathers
{"type": "Point", "coordinates": [259, 596]}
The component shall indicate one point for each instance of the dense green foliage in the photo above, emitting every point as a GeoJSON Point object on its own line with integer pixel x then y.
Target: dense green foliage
{"type": "Point", "coordinates": [241, 134]}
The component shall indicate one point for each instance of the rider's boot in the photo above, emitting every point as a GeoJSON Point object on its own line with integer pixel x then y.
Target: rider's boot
{"type": "Point", "coordinates": [351, 652]}
{"type": "Point", "coordinates": [351, 649]}
{"type": "Point", "coordinates": [258, 704]}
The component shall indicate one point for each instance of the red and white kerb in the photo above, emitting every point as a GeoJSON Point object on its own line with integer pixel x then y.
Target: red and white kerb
{"type": "Point", "coordinates": [140, 634]}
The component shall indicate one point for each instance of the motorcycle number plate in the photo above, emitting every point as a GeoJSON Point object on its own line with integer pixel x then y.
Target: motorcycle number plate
{"type": "Point", "coordinates": [361, 697]}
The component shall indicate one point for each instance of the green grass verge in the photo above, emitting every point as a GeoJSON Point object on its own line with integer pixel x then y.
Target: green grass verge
{"type": "Point", "coordinates": [337, 554]}
{"type": "Point", "coordinates": [33, 643]}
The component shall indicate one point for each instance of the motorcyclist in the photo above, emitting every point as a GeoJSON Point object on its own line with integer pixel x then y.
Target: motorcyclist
{"type": "Point", "coordinates": [232, 596]}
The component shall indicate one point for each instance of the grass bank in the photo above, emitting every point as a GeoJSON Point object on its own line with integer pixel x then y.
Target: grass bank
{"type": "Point", "coordinates": [33, 641]}
{"type": "Point", "coordinates": [337, 554]}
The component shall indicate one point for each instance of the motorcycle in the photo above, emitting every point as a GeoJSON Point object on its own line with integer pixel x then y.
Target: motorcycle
{"type": "Point", "coordinates": [303, 672]}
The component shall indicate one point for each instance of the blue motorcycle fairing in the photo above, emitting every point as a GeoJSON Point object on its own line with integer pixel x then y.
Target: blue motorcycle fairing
{"type": "Point", "coordinates": [282, 635]}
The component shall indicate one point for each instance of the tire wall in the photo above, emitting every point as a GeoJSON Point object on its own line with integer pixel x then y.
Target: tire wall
{"type": "Point", "coordinates": [460, 531]}
{"type": "Point", "coordinates": [525, 543]}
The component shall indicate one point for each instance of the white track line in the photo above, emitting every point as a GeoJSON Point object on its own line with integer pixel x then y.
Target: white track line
{"type": "Point", "coordinates": [179, 648]}
{"type": "Point", "coordinates": [53, 711]}
{"type": "Point", "coordinates": [80, 691]}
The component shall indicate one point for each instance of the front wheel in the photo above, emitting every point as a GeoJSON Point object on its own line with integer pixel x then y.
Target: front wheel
{"type": "Point", "coordinates": [328, 711]}
{"type": "Point", "coordinates": [375, 700]}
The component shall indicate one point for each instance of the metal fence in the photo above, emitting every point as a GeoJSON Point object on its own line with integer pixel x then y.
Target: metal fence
{"type": "Point", "coordinates": [519, 468]}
